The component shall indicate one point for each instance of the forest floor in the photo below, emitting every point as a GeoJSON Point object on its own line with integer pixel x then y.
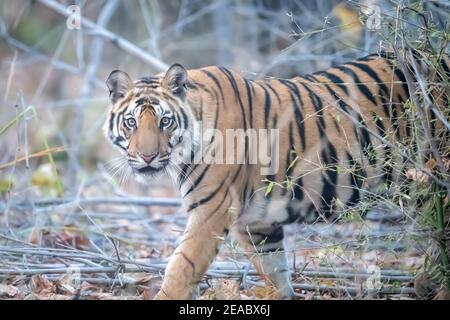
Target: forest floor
{"type": "Point", "coordinates": [86, 250]}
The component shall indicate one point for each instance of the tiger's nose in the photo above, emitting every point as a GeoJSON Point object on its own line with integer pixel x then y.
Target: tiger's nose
{"type": "Point", "coordinates": [148, 157]}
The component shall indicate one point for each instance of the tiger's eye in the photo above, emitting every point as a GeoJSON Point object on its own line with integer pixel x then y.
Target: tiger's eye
{"type": "Point", "coordinates": [166, 121]}
{"type": "Point", "coordinates": [130, 122]}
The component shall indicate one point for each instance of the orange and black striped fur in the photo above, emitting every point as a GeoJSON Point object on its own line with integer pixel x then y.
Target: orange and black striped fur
{"type": "Point", "coordinates": [330, 154]}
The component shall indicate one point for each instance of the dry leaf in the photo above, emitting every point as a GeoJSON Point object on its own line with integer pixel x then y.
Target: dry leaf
{"type": "Point", "coordinates": [66, 288]}
{"type": "Point", "coordinates": [87, 289]}
{"type": "Point", "coordinates": [41, 285]}
{"type": "Point", "coordinates": [209, 294]}
{"type": "Point", "coordinates": [74, 238]}
{"type": "Point", "coordinates": [146, 294]}
{"type": "Point", "coordinates": [267, 292]}
{"type": "Point", "coordinates": [8, 290]}
{"type": "Point", "coordinates": [417, 175]}
{"type": "Point", "coordinates": [227, 289]}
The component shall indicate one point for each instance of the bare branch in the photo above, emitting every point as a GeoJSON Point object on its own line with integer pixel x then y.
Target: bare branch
{"type": "Point", "coordinates": [120, 42]}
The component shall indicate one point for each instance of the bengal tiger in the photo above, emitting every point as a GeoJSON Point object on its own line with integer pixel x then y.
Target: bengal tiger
{"type": "Point", "coordinates": [336, 133]}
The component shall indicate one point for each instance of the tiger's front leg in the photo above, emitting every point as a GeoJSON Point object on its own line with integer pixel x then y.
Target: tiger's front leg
{"type": "Point", "coordinates": [204, 233]}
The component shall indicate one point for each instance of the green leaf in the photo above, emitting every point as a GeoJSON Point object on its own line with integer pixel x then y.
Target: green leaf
{"type": "Point", "coordinates": [5, 185]}
{"type": "Point", "coordinates": [269, 188]}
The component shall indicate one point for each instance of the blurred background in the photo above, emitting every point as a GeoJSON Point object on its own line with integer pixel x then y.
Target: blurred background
{"type": "Point", "coordinates": [53, 155]}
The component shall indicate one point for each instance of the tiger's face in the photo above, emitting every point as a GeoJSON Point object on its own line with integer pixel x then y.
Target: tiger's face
{"type": "Point", "coordinates": [148, 118]}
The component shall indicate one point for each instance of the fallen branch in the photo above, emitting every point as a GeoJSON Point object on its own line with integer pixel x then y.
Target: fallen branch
{"type": "Point", "coordinates": [349, 290]}
{"type": "Point", "coordinates": [212, 272]}
{"type": "Point", "coordinates": [136, 201]}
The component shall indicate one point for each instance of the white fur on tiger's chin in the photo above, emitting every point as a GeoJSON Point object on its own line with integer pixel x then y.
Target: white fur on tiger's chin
{"type": "Point", "coordinates": [148, 178]}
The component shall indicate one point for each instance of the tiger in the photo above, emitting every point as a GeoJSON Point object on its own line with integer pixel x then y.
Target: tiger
{"type": "Point", "coordinates": [336, 132]}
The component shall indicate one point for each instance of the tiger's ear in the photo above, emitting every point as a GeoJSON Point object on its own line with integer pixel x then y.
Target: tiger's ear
{"type": "Point", "coordinates": [118, 82]}
{"type": "Point", "coordinates": [175, 80]}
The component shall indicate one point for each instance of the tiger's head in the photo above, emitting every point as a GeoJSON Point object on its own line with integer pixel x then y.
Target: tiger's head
{"type": "Point", "coordinates": [148, 118]}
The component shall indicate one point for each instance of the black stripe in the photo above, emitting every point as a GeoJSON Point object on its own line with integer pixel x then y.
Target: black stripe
{"type": "Point", "coordinates": [293, 91]}
{"type": "Point", "coordinates": [387, 166]}
{"type": "Point", "coordinates": [185, 118]}
{"type": "Point", "coordinates": [361, 132]}
{"type": "Point", "coordinates": [216, 81]}
{"type": "Point", "coordinates": [394, 117]}
{"type": "Point", "coordinates": [334, 79]}
{"type": "Point", "coordinates": [217, 109]}
{"type": "Point", "coordinates": [197, 181]}
{"type": "Point", "coordinates": [297, 193]}
{"type": "Point", "coordinates": [117, 142]}
{"type": "Point", "coordinates": [275, 236]}
{"type": "Point", "coordinates": [298, 182]}
{"type": "Point", "coordinates": [369, 57]}
{"type": "Point", "coordinates": [177, 118]}
{"type": "Point", "coordinates": [318, 107]}
{"type": "Point", "coordinates": [329, 179]}
{"type": "Point", "coordinates": [207, 198]}
{"type": "Point", "coordinates": [261, 238]}
{"type": "Point", "coordinates": [141, 101]}
{"type": "Point", "coordinates": [267, 105]}
{"type": "Point", "coordinates": [402, 78]}
{"type": "Point", "coordinates": [244, 193]}
{"type": "Point", "coordinates": [236, 93]}
{"type": "Point", "coordinates": [311, 78]}
{"type": "Point", "coordinates": [379, 123]}
{"type": "Point", "coordinates": [291, 148]}
{"type": "Point", "coordinates": [395, 120]}
{"type": "Point", "coordinates": [432, 118]}
{"type": "Point", "coordinates": [372, 74]}
{"type": "Point", "coordinates": [193, 86]}
{"type": "Point", "coordinates": [288, 172]}
{"type": "Point", "coordinates": [445, 67]}
{"type": "Point", "coordinates": [366, 144]}
{"type": "Point", "coordinates": [293, 216]}
{"type": "Point", "coordinates": [252, 191]}
{"type": "Point", "coordinates": [361, 86]}
{"type": "Point", "coordinates": [149, 80]}
{"type": "Point", "coordinates": [274, 121]}
{"type": "Point", "coordinates": [183, 173]}
{"type": "Point", "coordinates": [236, 175]}
{"type": "Point", "coordinates": [213, 193]}
{"type": "Point", "coordinates": [274, 92]}
{"type": "Point", "coordinates": [355, 180]}
{"type": "Point", "coordinates": [218, 207]}
{"type": "Point", "coordinates": [191, 263]}
{"type": "Point", "coordinates": [199, 113]}
{"type": "Point", "coordinates": [111, 121]}
{"type": "Point", "coordinates": [249, 88]}
{"type": "Point", "coordinates": [444, 79]}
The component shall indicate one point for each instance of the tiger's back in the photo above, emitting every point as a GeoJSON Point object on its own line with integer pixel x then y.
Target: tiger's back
{"type": "Point", "coordinates": [325, 123]}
